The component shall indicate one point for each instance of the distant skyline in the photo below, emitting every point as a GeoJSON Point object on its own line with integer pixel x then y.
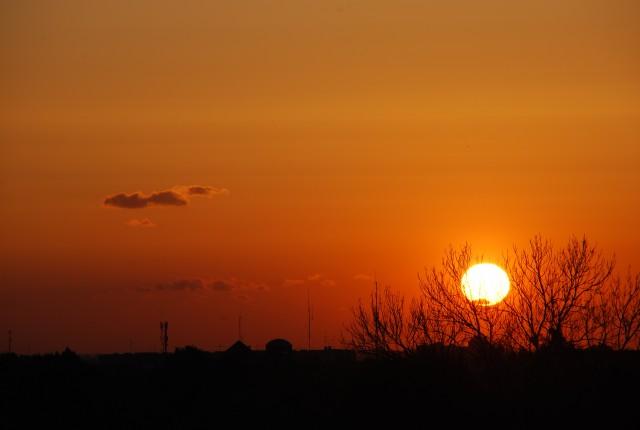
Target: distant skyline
{"type": "Point", "coordinates": [194, 162]}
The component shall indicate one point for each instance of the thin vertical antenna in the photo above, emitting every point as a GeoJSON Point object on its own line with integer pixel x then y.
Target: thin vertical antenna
{"type": "Point", "coordinates": [309, 317]}
{"type": "Point", "coordinates": [164, 335]}
{"type": "Point", "coordinates": [376, 320]}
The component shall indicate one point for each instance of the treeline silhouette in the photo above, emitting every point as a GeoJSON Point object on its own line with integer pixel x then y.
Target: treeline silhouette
{"type": "Point", "coordinates": [436, 386]}
{"type": "Point", "coordinates": [567, 296]}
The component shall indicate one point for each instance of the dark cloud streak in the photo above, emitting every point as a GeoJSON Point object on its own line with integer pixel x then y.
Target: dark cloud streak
{"type": "Point", "coordinates": [182, 285]}
{"type": "Point", "coordinates": [218, 286]}
{"type": "Point", "coordinates": [221, 285]}
{"type": "Point", "coordinates": [141, 223]}
{"type": "Point", "coordinates": [177, 196]}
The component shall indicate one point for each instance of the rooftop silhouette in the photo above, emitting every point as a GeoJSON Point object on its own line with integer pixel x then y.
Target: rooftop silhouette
{"type": "Point", "coordinates": [194, 388]}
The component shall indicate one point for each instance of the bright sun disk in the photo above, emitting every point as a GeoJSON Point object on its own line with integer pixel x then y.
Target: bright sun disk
{"type": "Point", "coordinates": [485, 283]}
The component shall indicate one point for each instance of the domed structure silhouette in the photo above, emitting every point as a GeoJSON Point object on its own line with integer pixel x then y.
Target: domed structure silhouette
{"type": "Point", "coordinates": [279, 347]}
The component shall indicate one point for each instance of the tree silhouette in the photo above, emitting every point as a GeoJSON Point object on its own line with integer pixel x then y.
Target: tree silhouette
{"type": "Point", "coordinates": [559, 297]}
{"type": "Point", "coordinates": [567, 297]}
{"type": "Point", "coordinates": [444, 313]}
{"type": "Point", "coordinates": [382, 330]}
{"type": "Point", "coordinates": [620, 327]}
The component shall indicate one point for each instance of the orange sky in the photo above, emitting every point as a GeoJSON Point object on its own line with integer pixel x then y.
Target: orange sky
{"type": "Point", "coordinates": [335, 141]}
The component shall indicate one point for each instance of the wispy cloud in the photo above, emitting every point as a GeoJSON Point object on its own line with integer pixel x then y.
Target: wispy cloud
{"type": "Point", "coordinates": [290, 282]}
{"type": "Point", "coordinates": [316, 278]}
{"type": "Point", "coordinates": [192, 284]}
{"type": "Point", "coordinates": [221, 285]}
{"type": "Point", "coordinates": [234, 288]}
{"type": "Point", "coordinates": [145, 222]}
{"type": "Point", "coordinates": [237, 285]}
{"type": "Point", "coordinates": [176, 196]}
{"type": "Point", "coordinates": [363, 277]}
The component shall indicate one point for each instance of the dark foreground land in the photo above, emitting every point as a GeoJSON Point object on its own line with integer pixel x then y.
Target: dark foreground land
{"type": "Point", "coordinates": [191, 388]}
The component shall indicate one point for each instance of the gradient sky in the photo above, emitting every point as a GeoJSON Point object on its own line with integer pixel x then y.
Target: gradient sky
{"type": "Point", "coordinates": [221, 164]}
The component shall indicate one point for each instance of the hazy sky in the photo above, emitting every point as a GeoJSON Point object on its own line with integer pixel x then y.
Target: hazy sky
{"type": "Point", "coordinates": [221, 164]}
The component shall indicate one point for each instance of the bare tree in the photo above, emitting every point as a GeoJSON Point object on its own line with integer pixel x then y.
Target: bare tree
{"type": "Point", "coordinates": [441, 315]}
{"type": "Point", "coordinates": [531, 274]}
{"type": "Point", "coordinates": [622, 317]}
{"type": "Point", "coordinates": [447, 314]}
{"type": "Point", "coordinates": [382, 330]}
{"type": "Point", "coordinates": [559, 298]}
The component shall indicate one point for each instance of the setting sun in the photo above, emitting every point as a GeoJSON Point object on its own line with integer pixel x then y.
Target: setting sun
{"type": "Point", "coordinates": [485, 283]}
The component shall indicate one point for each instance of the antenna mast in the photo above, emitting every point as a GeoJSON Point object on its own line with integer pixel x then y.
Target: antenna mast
{"type": "Point", "coordinates": [376, 315]}
{"type": "Point", "coordinates": [309, 317]}
{"type": "Point", "coordinates": [164, 336]}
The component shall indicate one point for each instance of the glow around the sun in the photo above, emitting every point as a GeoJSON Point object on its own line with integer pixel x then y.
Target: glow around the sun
{"type": "Point", "coordinates": [485, 283]}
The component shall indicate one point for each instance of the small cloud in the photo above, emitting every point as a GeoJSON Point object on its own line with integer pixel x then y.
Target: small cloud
{"type": "Point", "coordinates": [232, 286]}
{"type": "Point", "coordinates": [290, 282]}
{"type": "Point", "coordinates": [197, 190]}
{"type": "Point", "coordinates": [176, 196]}
{"type": "Point", "coordinates": [166, 198]}
{"type": "Point", "coordinates": [221, 285]}
{"type": "Point", "coordinates": [315, 278]}
{"type": "Point", "coordinates": [363, 277]}
{"type": "Point", "coordinates": [235, 285]}
{"type": "Point", "coordinates": [128, 201]}
{"type": "Point", "coordinates": [145, 222]}
{"type": "Point", "coordinates": [260, 286]}
{"type": "Point", "coordinates": [182, 285]}
{"type": "Point", "coordinates": [241, 297]}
